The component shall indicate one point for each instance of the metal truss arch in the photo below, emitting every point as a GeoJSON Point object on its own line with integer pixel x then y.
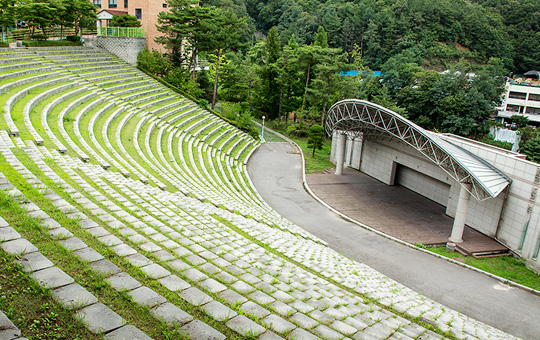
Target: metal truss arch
{"type": "Point", "coordinates": [358, 117]}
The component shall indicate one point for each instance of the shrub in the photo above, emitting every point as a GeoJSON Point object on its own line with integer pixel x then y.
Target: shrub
{"type": "Point", "coordinates": [38, 43]}
{"type": "Point", "coordinates": [73, 38]}
{"type": "Point", "coordinates": [39, 37]}
{"type": "Point", "coordinates": [4, 44]}
{"type": "Point", "coordinates": [488, 139]}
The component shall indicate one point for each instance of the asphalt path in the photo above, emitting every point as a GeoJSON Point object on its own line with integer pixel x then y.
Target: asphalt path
{"type": "Point", "coordinates": [276, 172]}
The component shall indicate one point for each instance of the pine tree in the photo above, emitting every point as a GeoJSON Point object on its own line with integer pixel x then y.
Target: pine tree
{"type": "Point", "coordinates": [219, 32]}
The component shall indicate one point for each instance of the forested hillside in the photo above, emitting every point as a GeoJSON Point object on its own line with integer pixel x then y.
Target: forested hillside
{"type": "Point", "coordinates": [444, 63]}
{"type": "Point", "coordinates": [436, 31]}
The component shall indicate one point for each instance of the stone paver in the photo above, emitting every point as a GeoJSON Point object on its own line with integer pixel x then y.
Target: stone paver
{"type": "Point", "coordinates": [255, 309]}
{"type": "Point", "coordinates": [218, 311]}
{"type": "Point", "coordinates": [8, 330]}
{"type": "Point", "coordinates": [145, 296]}
{"type": "Point", "coordinates": [123, 250]}
{"type": "Point", "coordinates": [18, 247]}
{"type": "Point", "coordinates": [278, 324]}
{"type": "Point", "coordinates": [171, 314]}
{"type": "Point", "coordinates": [155, 271]}
{"type": "Point", "coordinates": [194, 296]}
{"type": "Point", "coordinates": [231, 297]}
{"type": "Point", "coordinates": [174, 283]}
{"type": "Point", "coordinates": [199, 330]}
{"type": "Point", "coordinates": [52, 277]}
{"type": "Point", "coordinates": [105, 267]}
{"type": "Point", "coordinates": [303, 321]}
{"type": "Point", "coordinates": [270, 336]}
{"type": "Point", "coordinates": [212, 286]}
{"type": "Point", "coordinates": [33, 261]}
{"type": "Point", "coordinates": [123, 281]}
{"type": "Point", "coordinates": [73, 296]}
{"type": "Point", "coordinates": [8, 234]}
{"type": "Point", "coordinates": [88, 254]}
{"type": "Point", "coordinates": [100, 318]}
{"type": "Point", "coordinates": [127, 333]}
{"type": "Point", "coordinates": [300, 334]}
{"type": "Point", "coordinates": [327, 333]}
{"type": "Point", "coordinates": [244, 326]}
{"type": "Point", "coordinates": [73, 243]}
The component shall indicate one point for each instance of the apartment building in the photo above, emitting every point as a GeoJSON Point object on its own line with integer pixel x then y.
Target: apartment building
{"type": "Point", "coordinates": [145, 10]}
{"type": "Point", "coordinates": [522, 97]}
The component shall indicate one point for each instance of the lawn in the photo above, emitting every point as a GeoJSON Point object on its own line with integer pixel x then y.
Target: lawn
{"type": "Point", "coordinates": [507, 267]}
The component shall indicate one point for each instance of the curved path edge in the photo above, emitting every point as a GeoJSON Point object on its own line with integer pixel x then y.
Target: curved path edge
{"type": "Point", "coordinates": [410, 245]}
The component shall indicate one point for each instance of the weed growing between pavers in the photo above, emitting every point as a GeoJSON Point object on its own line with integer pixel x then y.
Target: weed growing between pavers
{"type": "Point", "coordinates": [120, 302]}
{"type": "Point", "coordinates": [31, 308]}
{"type": "Point", "coordinates": [419, 320]}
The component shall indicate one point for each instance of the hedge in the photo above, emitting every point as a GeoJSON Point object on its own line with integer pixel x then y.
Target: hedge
{"type": "Point", "coordinates": [38, 43]}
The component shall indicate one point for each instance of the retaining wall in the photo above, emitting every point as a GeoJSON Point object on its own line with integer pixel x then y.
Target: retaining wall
{"type": "Point", "coordinates": [126, 49]}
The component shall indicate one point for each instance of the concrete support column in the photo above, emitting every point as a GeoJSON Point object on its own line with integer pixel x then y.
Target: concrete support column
{"type": "Point", "coordinates": [340, 153]}
{"type": "Point", "coordinates": [461, 214]}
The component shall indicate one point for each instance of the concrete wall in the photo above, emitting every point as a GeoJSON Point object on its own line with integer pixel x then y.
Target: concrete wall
{"type": "Point", "coordinates": [149, 13]}
{"type": "Point", "coordinates": [126, 49]}
{"type": "Point", "coordinates": [515, 221]}
{"type": "Point", "coordinates": [519, 226]}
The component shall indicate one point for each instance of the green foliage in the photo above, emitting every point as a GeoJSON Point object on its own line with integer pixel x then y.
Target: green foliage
{"type": "Point", "coordinates": [531, 148]}
{"type": "Point", "coordinates": [162, 67]}
{"type": "Point", "coordinates": [240, 117]}
{"type": "Point", "coordinates": [315, 138]}
{"type": "Point", "coordinates": [508, 267]}
{"type": "Point", "coordinates": [488, 139]}
{"type": "Point", "coordinates": [124, 20]}
{"type": "Point", "coordinates": [520, 120]}
{"type": "Point", "coordinates": [39, 37]}
{"type": "Point", "coordinates": [38, 43]}
{"type": "Point", "coordinates": [4, 44]}
{"type": "Point", "coordinates": [73, 38]}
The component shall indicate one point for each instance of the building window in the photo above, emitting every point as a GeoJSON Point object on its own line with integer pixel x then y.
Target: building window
{"type": "Point", "coordinates": [138, 13]}
{"type": "Point", "coordinates": [97, 3]}
{"type": "Point", "coordinates": [164, 5]}
{"type": "Point", "coordinates": [535, 97]}
{"type": "Point", "coordinates": [533, 110]}
{"type": "Point", "coordinates": [513, 108]}
{"type": "Point", "coordinates": [517, 95]}
{"type": "Point", "coordinates": [125, 3]}
{"type": "Point", "coordinates": [112, 3]}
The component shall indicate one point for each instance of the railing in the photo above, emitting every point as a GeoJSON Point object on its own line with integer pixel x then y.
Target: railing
{"type": "Point", "coordinates": [128, 32]}
{"type": "Point", "coordinates": [51, 32]}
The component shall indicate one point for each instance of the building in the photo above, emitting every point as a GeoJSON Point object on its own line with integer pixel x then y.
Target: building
{"type": "Point", "coordinates": [491, 190]}
{"type": "Point", "coordinates": [145, 10]}
{"type": "Point", "coordinates": [522, 97]}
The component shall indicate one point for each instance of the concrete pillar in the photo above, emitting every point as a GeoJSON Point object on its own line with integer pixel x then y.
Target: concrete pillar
{"type": "Point", "coordinates": [461, 214]}
{"type": "Point", "coordinates": [340, 153]}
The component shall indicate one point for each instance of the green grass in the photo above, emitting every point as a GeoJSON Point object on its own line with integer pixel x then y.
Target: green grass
{"type": "Point", "coordinates": [321, 160]}
{"type": "Point", "coordinates": [507, 267]}
{"type": "Point", "coordinates": [41, 317]}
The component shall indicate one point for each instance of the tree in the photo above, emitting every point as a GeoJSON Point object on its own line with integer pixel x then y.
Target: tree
{"type": "Point", "coordinates": [269, 86]}
{"type": "Point", "coordinates": [531, 148]}
{"type": "Point", "coordinates": [220, 31]}
{"type": "Point", "coordinates": [315, 138]}
{"type": "Point", "coordinates": [179, 26]}
{"type": "Point", "coordinates": [36, 13]}
{"type": "Point", "coordinates": [125, 20]}
{"type": "Point", "coordinates": [7, 15]}
{"type": "Point", "coordinates": [519, 120]}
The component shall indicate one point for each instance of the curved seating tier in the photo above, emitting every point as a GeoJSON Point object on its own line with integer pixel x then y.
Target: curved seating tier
{"type": "Point", "coordinates": [160, 185]}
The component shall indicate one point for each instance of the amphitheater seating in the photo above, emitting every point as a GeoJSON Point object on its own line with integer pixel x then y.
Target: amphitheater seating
{"type": "Point", "coordinates": [158, 187]}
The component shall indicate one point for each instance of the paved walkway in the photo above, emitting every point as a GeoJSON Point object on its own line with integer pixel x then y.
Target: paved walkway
{"type": "Point", "coordinates": [394, 210]}
{"type": "Point", "coordinates": [276, 172]}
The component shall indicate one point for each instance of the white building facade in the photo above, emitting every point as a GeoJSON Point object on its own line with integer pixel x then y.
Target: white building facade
{"type": "Point", "coordinates": [522, 97]}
